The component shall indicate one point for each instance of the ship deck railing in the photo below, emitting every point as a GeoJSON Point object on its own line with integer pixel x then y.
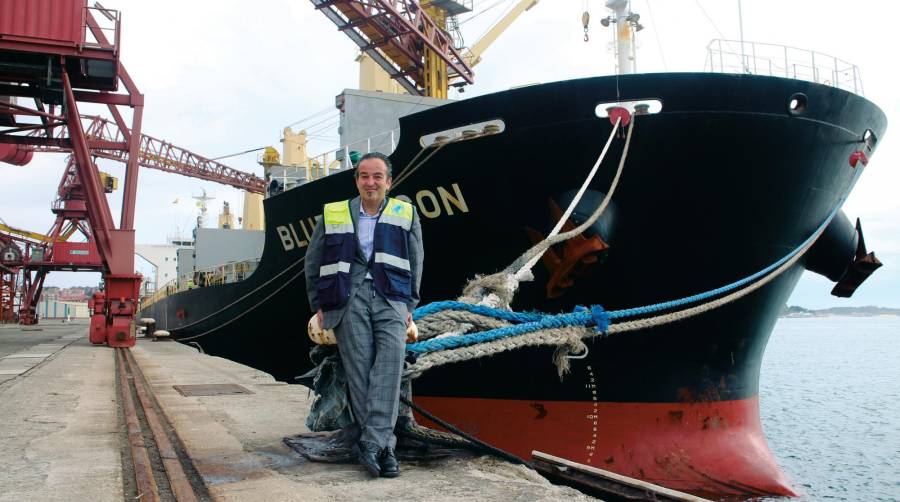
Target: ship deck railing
{"type": "Point", "coordinates": [757, 58]}
{"type": "Point", "coordinates": [336, 160]}
{"type": "Point", "coordinates": [214, 276]}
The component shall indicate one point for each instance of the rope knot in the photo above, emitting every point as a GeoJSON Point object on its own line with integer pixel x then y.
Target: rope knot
{"type": "Point", "coordinates": [502, 284]}
{"type": "Point", "coordinates": [601, 319]}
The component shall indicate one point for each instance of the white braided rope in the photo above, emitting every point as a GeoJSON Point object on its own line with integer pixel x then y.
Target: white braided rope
{"type": "Point", "coordinates": [561, 336]}
{"type": "Point", "coordinates": [714, 304]}
{"type": "Point", "coordinates": [569, 336]}
{"type": "Point", "coordinates": [526, 269]}
{"type": "Point", "coordinates": [540, 248]}
{"type": "Point", "coordinates": [452, 321]}
{"type": "Point", "coordinates": [497, 290]}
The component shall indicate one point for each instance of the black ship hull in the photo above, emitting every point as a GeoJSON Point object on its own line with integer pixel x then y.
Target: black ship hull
{"type": "Point", "coordinates": [726, 179]}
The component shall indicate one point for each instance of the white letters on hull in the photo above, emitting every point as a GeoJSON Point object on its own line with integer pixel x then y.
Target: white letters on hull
{"type": "Point", "coordinates": [431, 204]}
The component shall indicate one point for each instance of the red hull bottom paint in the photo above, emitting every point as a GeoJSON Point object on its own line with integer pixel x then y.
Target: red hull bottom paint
{"type": "Point", "coordinates": [711, 449]}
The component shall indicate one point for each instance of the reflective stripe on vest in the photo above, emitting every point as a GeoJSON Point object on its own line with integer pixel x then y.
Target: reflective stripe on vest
{"type": "Point", "coordinates": [334, 268]}
{"type": "Point", "coordinates": [390, 267]}
{"type": "Point", "coordinates": [390, 261]}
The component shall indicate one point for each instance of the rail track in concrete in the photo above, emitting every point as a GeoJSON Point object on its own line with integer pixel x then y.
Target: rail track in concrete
{"type": "Point", "coordinates": [162, 470]}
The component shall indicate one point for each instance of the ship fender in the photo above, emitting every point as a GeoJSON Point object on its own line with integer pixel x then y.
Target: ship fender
{"type": "Point", "coordinates": [840, 255]}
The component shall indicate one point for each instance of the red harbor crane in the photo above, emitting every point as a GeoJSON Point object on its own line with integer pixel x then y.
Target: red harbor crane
{"type": "Point", "coordinates": [153, 153]}
{"type": "Point", "coordinates": [59, 56]}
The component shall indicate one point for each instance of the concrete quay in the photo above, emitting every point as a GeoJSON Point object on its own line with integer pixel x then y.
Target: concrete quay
{"type": "Point", "coordinates": [63, 433]}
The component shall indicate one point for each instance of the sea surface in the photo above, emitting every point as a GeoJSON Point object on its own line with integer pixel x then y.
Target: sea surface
{"type": "Point", "coordinates": [830, 405]}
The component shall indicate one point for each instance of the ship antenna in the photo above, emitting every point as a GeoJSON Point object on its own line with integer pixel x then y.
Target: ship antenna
{"type": "Point", "coordinates": [741, 28]}
{"type": "Point", "coordinates": [627, 23]}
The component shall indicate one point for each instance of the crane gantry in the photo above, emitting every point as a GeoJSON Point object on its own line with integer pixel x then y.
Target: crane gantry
{"type": "Point", "coordinates": [409, 40]}
{"type": "Point", "coordinates": [60, 58]}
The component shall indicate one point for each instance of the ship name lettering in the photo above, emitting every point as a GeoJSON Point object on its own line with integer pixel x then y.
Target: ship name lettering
{"type": "Point", "coordinates": [290, 238]}
{"type": "Point", "coordinates": [300, 243]}
{"type": "Point", "coordinates": [429, 206]}
{"type": "Point", "coordinates": [308, 231]}
{"type": "Point", "coordinates": [445, 201]}
{"type": "Point", "coordinates": [285, 237]}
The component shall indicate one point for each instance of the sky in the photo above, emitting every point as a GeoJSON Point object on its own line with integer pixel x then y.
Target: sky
{"type": "Point", "coordinates": [220, 77]}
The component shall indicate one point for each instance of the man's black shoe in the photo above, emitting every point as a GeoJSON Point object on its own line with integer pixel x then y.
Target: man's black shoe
{"type": "Point", "coordinates": [368, 457]}
{"type": "Point", "coordinates": [390, 468]}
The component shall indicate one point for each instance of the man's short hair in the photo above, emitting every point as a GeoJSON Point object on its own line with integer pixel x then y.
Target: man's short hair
{"type": "Point", "coordinates": [374, 155]}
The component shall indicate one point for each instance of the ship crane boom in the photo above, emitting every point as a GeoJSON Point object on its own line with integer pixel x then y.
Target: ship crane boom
{"type": "Point", "coordinates": [473, 54]}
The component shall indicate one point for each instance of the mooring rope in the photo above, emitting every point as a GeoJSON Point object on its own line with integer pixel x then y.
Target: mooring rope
{"type": "Point", "coordinates": [245, 311]}
{"type": "Point", "coordinates": [538, 250]}
{"type": "Point", "coordinates": [474, 443]}
{"type": "Point", "coordinates": [525, 271]}
{"type": "Point", "coordinates": [514, 330]}
{"type": "Point", "coordinates": [249, 294]}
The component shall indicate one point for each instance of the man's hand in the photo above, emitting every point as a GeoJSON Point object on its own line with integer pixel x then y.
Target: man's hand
{"type": "Point", "coordinates": [412, 335]}
{"type": "Point", "coordinates": [321, 318]}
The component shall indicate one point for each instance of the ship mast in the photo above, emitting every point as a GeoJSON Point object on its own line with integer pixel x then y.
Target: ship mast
{"type": "Point", "coordinates": [626, 24]}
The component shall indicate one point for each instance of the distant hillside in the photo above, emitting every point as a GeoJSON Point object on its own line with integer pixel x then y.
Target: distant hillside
{"type": "Point", "coordinates": [870, 311]}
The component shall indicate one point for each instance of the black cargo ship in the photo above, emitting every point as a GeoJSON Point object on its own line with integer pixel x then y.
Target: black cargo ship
{"type": "Point", "coordinates": [730, 175]}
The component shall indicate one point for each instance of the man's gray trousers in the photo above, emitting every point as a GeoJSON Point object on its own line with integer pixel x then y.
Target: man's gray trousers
{"type": "Point", "coordinates": [372, 341]}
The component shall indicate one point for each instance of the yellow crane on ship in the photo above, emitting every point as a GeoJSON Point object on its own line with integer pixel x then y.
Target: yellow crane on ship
{"type": "Point", "coordinates": [406, 47]}
{"type": "Point", "coordinates": [436, 77]}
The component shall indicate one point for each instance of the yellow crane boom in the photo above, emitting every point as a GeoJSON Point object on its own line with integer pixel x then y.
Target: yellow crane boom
{"type": "Point", "coordinates": [472, 56]}
{"type": "Point", "coordinates": [24, 233]}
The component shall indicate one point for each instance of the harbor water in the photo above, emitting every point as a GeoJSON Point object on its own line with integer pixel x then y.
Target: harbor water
{"type": "Point", "coordinates": [830, 405]}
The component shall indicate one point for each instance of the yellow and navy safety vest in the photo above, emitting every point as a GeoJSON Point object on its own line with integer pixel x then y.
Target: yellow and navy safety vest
{"type": "Point", "coordinates": [389, 264]}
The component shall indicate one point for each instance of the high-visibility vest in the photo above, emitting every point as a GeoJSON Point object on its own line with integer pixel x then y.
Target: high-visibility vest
{"type": "Point", "coordinates": [389, 264]}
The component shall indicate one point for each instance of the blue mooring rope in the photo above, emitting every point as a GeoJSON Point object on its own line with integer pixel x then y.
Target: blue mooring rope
{"type": "Point", "coordinates": [582, 316]}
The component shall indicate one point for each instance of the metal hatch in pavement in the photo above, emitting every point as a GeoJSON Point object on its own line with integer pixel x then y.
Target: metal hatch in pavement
{"type": "Point", "coordinates": [212, 389]}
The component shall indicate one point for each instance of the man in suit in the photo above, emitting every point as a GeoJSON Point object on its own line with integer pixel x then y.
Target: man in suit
{"type": "Point", "coordinates": [363, 270]}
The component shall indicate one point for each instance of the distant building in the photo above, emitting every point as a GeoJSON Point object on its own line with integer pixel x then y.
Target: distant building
{"type": "Point", "coordinates": [56, 309]}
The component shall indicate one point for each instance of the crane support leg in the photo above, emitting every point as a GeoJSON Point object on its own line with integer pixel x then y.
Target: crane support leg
{"type": "Point", "coordinates": [8, 277]}
{"type": "Point", "coordinates": [116, 246]}
{"type": "Point", "coordinates": [31, 294]}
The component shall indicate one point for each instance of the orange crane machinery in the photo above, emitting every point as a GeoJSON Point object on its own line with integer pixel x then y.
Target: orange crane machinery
{"type": "Point", "coordinates": [70, 207]}
{"type": "Point", "coordinates": [62, 54]}
{"type": "Point", "coordinates": [8, 288]}
{"type": "Point", "coordinates": [17, 248]}
{"type": "Point", "coordinates": [154, 153]}
{"type": "Point", "coordinates": [407, 40]}
{"type": "Point", "coordinates": [10, 261]}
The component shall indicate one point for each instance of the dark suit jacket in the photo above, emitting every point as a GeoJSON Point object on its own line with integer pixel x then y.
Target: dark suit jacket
{"type": "Point", "coordinates": [359, 266]}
